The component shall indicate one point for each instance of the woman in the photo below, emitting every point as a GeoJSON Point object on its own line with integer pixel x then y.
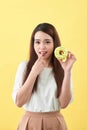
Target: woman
{"type": "Point", "coordinates": [43, 83]}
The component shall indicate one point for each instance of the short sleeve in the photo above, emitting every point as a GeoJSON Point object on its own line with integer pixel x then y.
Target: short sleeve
{"type": "Point", "coordinates": [18, 79]}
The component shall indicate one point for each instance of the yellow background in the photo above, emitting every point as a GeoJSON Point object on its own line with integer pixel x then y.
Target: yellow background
{"type": "Point", "coordinates": [17, 19]}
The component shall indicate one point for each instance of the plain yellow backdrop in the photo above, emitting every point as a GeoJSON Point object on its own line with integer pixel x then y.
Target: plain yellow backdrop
{"type": "Point", "coordinates": [17, 20]}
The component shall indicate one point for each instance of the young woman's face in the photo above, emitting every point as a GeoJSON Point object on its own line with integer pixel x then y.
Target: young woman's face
{"type": "Point", "coordinates": [43, 45]}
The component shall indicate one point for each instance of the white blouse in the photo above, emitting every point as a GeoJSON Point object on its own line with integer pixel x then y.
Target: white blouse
{"type": "Point", "coordinates": [44, 99]}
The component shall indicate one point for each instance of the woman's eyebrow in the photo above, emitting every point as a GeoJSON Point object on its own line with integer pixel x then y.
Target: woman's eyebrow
{"type": "Point", "coordinates": [47, 39]}
{"type": "Point", "coordinates": [36, 39]}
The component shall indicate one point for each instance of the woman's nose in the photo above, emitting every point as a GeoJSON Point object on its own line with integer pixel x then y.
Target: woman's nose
{"type": "Point", "coordinates": [42, 46]}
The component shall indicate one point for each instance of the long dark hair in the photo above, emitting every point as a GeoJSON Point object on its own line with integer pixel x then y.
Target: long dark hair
{"type": "Point", "coordinates": [57, 69]}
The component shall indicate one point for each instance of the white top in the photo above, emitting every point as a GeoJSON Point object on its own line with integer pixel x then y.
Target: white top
{"type": "Point", "coordinates": [44, 99]}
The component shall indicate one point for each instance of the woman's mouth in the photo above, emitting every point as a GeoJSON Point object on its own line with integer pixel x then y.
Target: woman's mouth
{"type": "Point", "coordinates": [43, 53]}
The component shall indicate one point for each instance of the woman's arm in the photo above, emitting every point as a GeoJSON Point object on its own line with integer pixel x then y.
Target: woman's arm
{"type": "Point", "coordinates": [66, 93]}
{"type": "Point", "coordinates": [25, 91]}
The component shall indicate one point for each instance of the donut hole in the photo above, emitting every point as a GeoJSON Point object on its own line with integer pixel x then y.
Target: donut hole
{"type": "Point", "coordinates": [61, 52]}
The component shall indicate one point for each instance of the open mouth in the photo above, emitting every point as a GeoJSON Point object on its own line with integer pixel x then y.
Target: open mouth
{"type": "Point", "coordinates": [43, 53]}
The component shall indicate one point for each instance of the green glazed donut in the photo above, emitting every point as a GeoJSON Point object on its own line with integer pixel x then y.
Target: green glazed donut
{"type": "Point", "coordinates": [61, 53]}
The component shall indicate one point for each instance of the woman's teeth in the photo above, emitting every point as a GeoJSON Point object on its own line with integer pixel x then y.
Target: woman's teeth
{"type": "Point", "coordinates": [43, 53]}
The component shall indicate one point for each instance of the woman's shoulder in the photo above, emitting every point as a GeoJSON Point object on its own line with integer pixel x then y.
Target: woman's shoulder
{"type": "Point", "coordinates": [22, 65]}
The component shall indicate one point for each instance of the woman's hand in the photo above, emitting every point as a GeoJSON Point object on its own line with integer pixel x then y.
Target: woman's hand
{"type": "Point", "coordinates": [39, 65]}
{"type": "Point", "coordinates": [67, 65]}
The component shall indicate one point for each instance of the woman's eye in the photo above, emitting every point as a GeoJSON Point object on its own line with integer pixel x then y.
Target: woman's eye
{"type": "Point", "coordinates": [47, 42]}
{"type": "Point", "coordinates": [37, 42]}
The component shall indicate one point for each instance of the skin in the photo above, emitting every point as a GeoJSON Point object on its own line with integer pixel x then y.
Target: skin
{"type": "Point", "coordinates": [43, 45]}
{"type": "Point", "coordinates": [66, 93]}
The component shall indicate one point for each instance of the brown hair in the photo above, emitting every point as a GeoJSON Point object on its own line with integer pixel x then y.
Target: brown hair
{"type": "Point", "coordinates": [57, 69]}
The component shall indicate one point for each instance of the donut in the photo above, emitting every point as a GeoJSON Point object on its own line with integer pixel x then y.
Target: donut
{"type": "Point", "coordinates": [61, 53]}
